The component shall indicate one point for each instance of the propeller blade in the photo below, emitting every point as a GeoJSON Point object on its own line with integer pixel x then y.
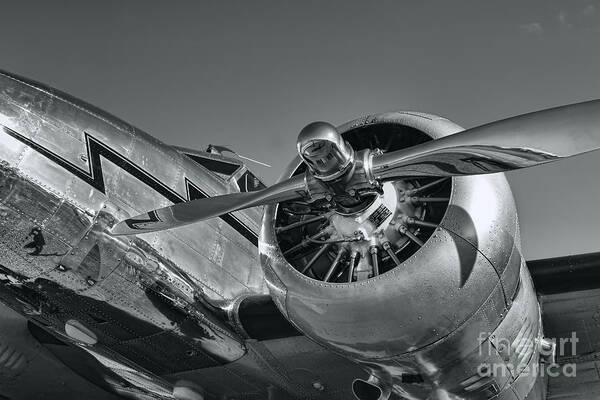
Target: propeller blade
{"type": "Point", "coordinates": [201, 209]}
{"type": "Point", "coordinates": [513, 143]}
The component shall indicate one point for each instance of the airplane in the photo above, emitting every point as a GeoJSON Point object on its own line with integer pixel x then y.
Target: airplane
{"type": "Point", "coordinates": [386, 263]}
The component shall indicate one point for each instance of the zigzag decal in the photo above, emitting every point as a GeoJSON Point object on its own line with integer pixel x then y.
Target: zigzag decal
{"type": "Point", "coordinates": [95, 178]}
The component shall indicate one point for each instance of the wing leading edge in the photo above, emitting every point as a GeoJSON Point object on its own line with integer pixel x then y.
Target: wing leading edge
{"type": "Point", "coordinates": [566, 274]}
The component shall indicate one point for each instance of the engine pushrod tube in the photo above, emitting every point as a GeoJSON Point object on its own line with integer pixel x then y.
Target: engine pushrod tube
{"type": "Point", "coordinates": [314, 259]}
{"type": "Point", "coordinates": [334, 264]}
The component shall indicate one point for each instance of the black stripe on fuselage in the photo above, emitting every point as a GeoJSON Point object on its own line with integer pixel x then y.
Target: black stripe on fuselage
{"type": "Point", "coordinates": [95, 178]}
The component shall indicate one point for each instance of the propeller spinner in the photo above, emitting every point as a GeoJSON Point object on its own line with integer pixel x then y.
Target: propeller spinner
{"type": "Point", "coordinates": [326, 153]}
{"type": "Point", "coordinates": [335, 169]}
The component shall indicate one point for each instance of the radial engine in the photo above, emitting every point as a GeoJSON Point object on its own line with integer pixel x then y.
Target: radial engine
{"type": "Point", "coordinates": [420, 280]}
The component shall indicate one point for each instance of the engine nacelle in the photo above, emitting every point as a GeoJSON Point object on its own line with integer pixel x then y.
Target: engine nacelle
{"type": "Point", "coordinates": [419, 304]}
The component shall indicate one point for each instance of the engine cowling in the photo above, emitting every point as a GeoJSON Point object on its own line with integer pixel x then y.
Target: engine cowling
{"type": "Point", "coordinates": [418, 278]}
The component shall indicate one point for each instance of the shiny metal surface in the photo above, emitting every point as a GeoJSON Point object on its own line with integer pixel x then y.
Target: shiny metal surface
{"type": "Point", "coordinates": [517, 142]}
{"type": "Point", "coordinates": [422, 318]}
{"type": "Point", "coordinates": [155, 302]}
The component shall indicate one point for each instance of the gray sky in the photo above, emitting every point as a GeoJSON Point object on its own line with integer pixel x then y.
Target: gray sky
{"type": "Point", "coordinates": [251, 74]}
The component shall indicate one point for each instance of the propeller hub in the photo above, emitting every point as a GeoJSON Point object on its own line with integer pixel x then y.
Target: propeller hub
{"type": "Point", "coordinates": [327, 155]}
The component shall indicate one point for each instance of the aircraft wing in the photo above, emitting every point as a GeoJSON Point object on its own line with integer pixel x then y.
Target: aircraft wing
{"type": "Point", "coordinates": [569, 293]}
{"type": "Point", "coordinates": [285, 366]}
{"type": "Point", "coordinates": [28, 368]}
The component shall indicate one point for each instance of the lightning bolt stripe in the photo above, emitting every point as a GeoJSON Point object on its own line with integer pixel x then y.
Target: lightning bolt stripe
{"type": "Point", "coordinates": [95, 178]}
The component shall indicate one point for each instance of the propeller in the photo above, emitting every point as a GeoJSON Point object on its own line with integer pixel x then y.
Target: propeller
{"type": "Point", "coordinates": [518, 142]}
{"type": "Point", "coordinates": [181, 214]}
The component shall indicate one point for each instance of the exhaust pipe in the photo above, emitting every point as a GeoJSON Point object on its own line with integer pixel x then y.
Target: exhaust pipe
{"type": "Point", "coordinates": [372, 389]}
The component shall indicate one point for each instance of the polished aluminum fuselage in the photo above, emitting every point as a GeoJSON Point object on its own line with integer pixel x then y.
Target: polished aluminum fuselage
{"type": "Point", "coordinates": [426, 328]}
{"type": "Point", "coordinates": [69, 172]}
